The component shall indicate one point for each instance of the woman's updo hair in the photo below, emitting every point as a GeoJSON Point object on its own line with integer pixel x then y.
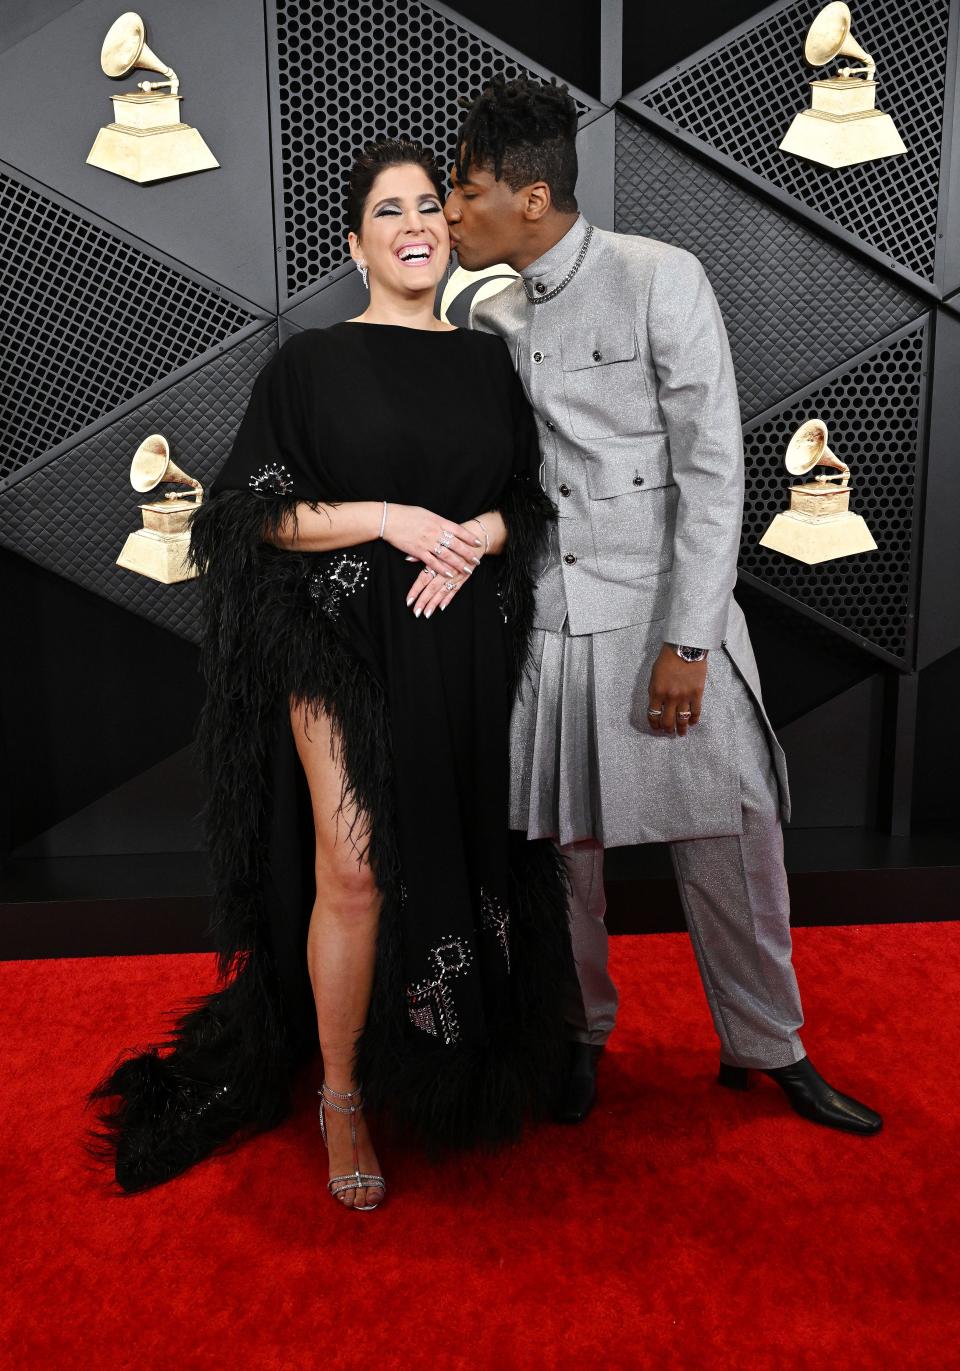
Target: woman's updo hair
{"type": "Point", "coordinates": [375, 158]}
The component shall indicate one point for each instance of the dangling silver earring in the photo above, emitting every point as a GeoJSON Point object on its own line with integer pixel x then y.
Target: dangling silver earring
{"type": "Point", "coordinates": [362, 268]}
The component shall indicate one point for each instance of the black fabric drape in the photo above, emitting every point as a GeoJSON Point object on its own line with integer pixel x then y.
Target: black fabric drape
{"type": "Point", "coordinates": [464, 1036]}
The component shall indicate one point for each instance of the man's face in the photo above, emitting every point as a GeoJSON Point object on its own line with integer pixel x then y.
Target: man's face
{"type": "Point", "coordinates": [486, 219]}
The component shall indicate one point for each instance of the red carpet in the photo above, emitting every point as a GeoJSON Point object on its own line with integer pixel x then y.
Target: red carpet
{"type": "Point", "coordinates": [682, 1226]}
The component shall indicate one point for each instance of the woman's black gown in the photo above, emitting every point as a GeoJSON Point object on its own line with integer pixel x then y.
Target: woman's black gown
{"type": "Point", "coordinates": [464, 1038]}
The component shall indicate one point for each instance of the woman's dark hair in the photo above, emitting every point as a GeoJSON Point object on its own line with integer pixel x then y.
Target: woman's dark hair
{"type": "Point", "coordinates": [375, 158]}
{"type": "Point", "coordinates": [523, 131]}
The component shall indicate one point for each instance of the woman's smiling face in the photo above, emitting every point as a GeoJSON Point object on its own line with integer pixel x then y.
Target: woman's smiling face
{"type": "Point", "coordinates": [404, 239]}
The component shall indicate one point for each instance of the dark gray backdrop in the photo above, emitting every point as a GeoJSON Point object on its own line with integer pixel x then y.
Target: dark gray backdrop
{"type": "Point", "coordinates": [128, 309]}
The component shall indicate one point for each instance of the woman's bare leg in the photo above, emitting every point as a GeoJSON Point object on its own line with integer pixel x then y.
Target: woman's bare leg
{"type": "Point", "coordinates": [341, 941]}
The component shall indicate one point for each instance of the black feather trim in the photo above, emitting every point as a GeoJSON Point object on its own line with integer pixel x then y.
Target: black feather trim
{"type": "Point", "coordinates": [528, 513]}
{"type": "Point", "coordinates": [226, 1069]}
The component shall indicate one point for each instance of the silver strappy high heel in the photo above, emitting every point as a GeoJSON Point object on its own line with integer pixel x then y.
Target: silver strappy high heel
{"type": "Point", "coordinates": [358, 1180]}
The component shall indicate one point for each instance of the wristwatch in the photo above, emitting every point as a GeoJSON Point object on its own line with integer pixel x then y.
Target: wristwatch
{"type": "Point", "coordinates": [690, 654]}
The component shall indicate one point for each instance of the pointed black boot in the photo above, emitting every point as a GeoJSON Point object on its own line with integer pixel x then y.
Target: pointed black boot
{"type": "Point", "coordinates": [810, 1096]}
{"type": "Point", "coordinates": [580, 1088]}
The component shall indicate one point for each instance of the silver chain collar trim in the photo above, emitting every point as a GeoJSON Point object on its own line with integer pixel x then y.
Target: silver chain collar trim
{"type": "Point", "coordinates": [542, 299]}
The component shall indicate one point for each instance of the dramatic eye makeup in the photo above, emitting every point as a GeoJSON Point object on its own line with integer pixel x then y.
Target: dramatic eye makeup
{"type": "Point", "coordinates": [426, 206]}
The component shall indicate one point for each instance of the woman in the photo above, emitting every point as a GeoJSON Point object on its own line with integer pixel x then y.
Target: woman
{"type": "Point", "coordinates": [365, 561]}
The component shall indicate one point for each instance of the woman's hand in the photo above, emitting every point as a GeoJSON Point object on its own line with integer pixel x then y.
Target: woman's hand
{"type": "Point", "coordinates": [432, 589]}
{"type": "Point", "coordinates": [443, 546]}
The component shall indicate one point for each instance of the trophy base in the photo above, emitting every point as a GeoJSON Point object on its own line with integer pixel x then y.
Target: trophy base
{"type": "Point", "coordinates": [808, 539]}
{"type": "Point", "coordinates": [150, 154]}
{"type": "Point", "coordinates": [161, 556]}
{"type": "Point", "coordinates": [842, 140]}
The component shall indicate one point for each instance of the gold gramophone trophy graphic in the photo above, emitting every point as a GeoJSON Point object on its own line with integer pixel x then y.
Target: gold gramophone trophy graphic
{"type": "Point", "coordinates": [146, 141]}
{"type": "Point", "coordinates": [818, 526]}
{"type": "Point", "coordinates": [159, 549]}
{"type": "Point", "coordinates": [843, 126]}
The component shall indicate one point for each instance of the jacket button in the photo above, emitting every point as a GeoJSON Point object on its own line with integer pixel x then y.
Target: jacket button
{"type": "Point", "coordinates": [597, 356]}
{"type": "Point", "coordinates": [538, 356]}
{"type": "Point", "coordinates": [569, 559]}
{"type": "Point", "coordinates": [539, 287]}
{"type": "Point", "coordinates": [564, 490]}
{"type": "Point", "coordinates": [638, 480]}
{"type": "Point", "coordinates": [550, 426]}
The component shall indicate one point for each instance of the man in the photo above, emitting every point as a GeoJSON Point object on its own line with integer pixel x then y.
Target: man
{"type": "Point", "coordinates": [643, 719]}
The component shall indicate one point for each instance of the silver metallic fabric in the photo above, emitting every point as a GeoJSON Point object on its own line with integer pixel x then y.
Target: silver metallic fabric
{"type": "Point", "coordinates": [737, 909]}
{"type": "Point", "coordinates": [591, 1009]}
{"type": "Point", "coordinates": [586, 762]}
{"type": "Point", "coordinates": [629, 373]}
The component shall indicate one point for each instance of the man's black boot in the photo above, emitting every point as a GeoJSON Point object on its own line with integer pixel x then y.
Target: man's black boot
{"type": "Point", "coordinates": [810, 1096]}
{"type": "Point", "coordinates": [580, 1089]}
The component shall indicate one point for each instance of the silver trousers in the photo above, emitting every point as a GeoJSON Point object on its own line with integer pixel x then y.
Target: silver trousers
{"type": "Point", "coordinates": [737, 910]}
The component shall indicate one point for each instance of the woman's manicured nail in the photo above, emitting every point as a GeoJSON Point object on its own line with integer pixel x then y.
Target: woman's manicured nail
{"type": "Point", "coordinates": [477, 542]}
{"type": "Point", "coordinates": [416, 614]}
{"type": "Point", "coordinates": [409, 603]}
{"type": "Point", "coordinates": [428, 613]}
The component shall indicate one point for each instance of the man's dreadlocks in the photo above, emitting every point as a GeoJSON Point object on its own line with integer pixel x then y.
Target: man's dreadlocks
{"type": "Point", "coordinates": [523, 131]}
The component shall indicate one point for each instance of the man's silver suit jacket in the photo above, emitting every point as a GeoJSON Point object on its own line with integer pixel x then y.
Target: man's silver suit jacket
{"type": "Point", "coordinates": [629, 373]}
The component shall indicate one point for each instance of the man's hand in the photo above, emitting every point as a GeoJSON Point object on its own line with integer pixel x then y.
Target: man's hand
{"type": "Point", "coordinates": [676, 687]}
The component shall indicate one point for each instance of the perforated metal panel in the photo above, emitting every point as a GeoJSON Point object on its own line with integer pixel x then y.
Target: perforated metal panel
{"type": "Point", "coordinates": [795, 305]}
{"type": "Point", "coordinates": [873, 413]}
{"type": "Point", "coordinates": [72, 515]}
{"type": "Point", "coordinates": [74, 301]}
{"type": "Point", "coordinates": [352, 70]}
{"type": "Point", "coordinates": [741, 98]}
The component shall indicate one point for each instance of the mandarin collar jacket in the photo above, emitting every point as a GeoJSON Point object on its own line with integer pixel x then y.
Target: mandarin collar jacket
{"type": "Point", "coordinates": [629, 374]}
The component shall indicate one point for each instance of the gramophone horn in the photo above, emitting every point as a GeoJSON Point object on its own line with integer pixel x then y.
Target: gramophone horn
{"type": "Point", "coordinates": [125, 47]}
{"type": "Point", "coordinates": [153, 464]}
{"type": "Point", "coordinates": [829, 37]}
{"type": "Point", "coordinates": [808, 449]}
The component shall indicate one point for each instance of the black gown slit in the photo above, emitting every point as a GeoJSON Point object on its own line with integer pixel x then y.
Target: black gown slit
{"type": "Point", "coordinates": [464, 1038]}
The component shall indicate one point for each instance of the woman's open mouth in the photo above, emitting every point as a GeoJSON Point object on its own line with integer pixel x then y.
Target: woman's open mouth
{"type": "Point", "coordinates": [414, 254]}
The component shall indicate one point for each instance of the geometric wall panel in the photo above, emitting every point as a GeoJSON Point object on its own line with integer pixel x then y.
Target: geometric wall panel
{"type": "Point", "coordinates": [873, 413]}
{"type": "Point", "coordinates": [73, 513]}
{"type": "Point", "coordinates": [218, 224]}
{"type": "Point", "coordinates": [87, 321]}
{"type": "Point", "coordinates": [741, 97]}
{"type": "Point", "coordinates": [352, 70]}
{"type": "Point", "coordinates": [795, 305]}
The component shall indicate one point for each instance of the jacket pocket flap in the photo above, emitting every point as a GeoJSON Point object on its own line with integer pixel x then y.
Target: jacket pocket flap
{"type": "Point", "coordinates": [594, 347]}
{"type": "Point", "coordinates": [644, 469]}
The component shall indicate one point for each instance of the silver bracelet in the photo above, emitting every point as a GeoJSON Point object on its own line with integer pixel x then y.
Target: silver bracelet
{"type": "Point", "coordinates": [383, 520]}
{"type": "Point", "coordinates": [486, 540]}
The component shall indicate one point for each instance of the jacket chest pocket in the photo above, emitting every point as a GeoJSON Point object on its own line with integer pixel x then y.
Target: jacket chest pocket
{"type": "Point", "coordinates": [633, 511]}
{"type": "Point", "coordinates": [604, 381]}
